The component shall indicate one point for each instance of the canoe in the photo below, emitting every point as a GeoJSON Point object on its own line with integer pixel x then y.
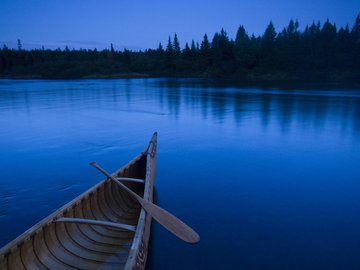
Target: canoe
{"type": "Point", "coordinates": [103, 228]}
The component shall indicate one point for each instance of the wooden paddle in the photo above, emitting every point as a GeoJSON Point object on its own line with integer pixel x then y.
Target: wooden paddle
{"type": "Point", "coordinates": [167, 220]}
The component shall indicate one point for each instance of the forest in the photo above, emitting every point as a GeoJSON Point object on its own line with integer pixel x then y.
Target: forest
{"type": "Point", "coordinates": [321, 51]}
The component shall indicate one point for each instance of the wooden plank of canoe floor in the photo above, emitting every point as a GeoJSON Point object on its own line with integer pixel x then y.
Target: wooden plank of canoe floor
{"type": "Point", "coordinates": [29, 258]}
{"type": "Point", "coordinates": [14, 260]}
{"type": "Point", "coordinates": [45, 255]}
{"type": "Point", "coordinates": [100, 209]}
{"type": "Point", "coordinates": [67, 256]}
{"type": "Point", "coordinates": [115, 205]}
{"type": "Point", "coordinates": [110, 205]}
{"type": "Point", "coordinates": [91, 212]}
{"type": "Point", "coordinates": [3, 263]}
{"type": "Point", "coordinates": [120, 214]}
{"type": "Point", "coordinates": [76, 233]}
{"type": "Point", "coordinates": [106, 207]}
{"type": "Point", "coordinates": [79, 251]}
{"type": "Point", "coordinates": [128, 203]}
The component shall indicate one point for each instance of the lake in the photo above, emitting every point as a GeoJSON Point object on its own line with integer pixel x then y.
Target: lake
{"type": "Point", "coordinates": [269, 178]}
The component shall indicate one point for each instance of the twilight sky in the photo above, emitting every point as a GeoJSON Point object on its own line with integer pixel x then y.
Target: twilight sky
{"type": "Point", "coordinates": [144, 23]}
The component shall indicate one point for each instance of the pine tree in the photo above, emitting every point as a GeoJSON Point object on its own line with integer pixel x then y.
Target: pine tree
{"type": "Point", "coordinates": [241, 49]}
{"type": "Point", "coordinates": [193, 47]}
{"type": "Point", "coordinates": [222, 51]}
{"type": "Point", "coordinates": [160, 49]}
{"type": "Point", "coordinates": [19, 45]}
{"type": "Point", "coordinates": [176, 45]}
{"type": "Point", "coordinates": [169, 54]}
{"type": "Point", "coordinates": [169, 47]}
{"type": "Point", "coordinates": [268, 53]}
{"type": "Point", "coordinates": [269, 36]}
{"type": "Point", "coordinates": [205, 45]}
{"type": "Point", "coordinates": [355, 31]}
{"type": "Point", "coordinates": [344, 35]}
{"type": "Point", "coordinates": [328, 33]}
{"type": "Point", "coordinates": [205, 52]}
{"type": "Point", "coordinates": [187, 52]}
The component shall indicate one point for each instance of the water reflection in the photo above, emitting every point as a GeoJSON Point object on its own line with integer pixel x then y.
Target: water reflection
{"type": "Point", "coordinates": [270, 168]}
{"type": "Point", "coordinates": [209, 99]}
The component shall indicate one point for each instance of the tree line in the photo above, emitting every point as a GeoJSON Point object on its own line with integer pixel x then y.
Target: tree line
{"type": "Point", "coordinates": [320, 50]}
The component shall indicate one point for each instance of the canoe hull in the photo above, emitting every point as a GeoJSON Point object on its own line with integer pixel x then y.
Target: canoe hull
{"type": "Point", "coordinates": [49, 245]}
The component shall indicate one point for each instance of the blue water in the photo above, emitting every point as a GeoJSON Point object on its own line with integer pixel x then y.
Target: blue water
{"type": "Point", "coordinates": [269, 178]}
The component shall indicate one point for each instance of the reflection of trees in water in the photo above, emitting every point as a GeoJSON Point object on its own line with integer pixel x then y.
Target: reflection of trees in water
{"type": "Point", "coordinates": [219, 104]}
{"type": "Point", "coordinates": [204, 99]}
{"type": "Point", "coordinates": [345, 115]}
{"type": "Point", "coordinates": [128, 90]}
{"type": "Point", "coordinates": [356, 119]}
{"type": "Point", "coordinates": [323, 106]}
{"type": "Point", "coordinates": [174, 100]}
{"type": "Point", "coordinates": [285, 107]}
{"type": "Point", "coordinates": [243, 104]}
{"type": "Point", "coordinates": [265, 105]}
{"type": "Point", "coordinates": [310, 112]}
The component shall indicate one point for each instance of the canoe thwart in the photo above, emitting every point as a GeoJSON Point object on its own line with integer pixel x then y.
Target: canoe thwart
{"type": "Point", "coordinates": [96, 222]}
{"type": "Point", "coordinates": [130, 179]}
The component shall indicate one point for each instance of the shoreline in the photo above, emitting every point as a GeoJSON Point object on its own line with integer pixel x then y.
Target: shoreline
{"type": "Point", "coordinates": [286, 81]}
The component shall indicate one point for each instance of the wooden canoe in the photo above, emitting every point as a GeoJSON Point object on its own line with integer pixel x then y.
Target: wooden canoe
{"type": "Point", "coordinates": [103, 228]}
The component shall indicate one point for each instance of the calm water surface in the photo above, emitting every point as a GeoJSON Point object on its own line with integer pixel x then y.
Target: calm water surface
{"type": "Point", "coordinates": [269, 178]}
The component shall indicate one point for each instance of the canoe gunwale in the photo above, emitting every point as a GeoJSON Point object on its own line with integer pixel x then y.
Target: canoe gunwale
{"type": "Point", "coordinates": [39, 227]}
{"type": "Point", "coordinates": [139, 248]}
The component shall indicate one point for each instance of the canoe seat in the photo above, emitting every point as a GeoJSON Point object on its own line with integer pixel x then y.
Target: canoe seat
{"type": "Point", "coordinates": [96, 222]}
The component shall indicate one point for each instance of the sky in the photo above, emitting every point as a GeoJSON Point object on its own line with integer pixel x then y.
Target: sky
{"type": "Point", "coordinates": [143, 24]}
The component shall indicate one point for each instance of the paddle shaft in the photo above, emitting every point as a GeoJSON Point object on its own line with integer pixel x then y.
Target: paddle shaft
{"type": "Point", "coordinates": [132, 193]}
{"type": "Point", "coordinates": [166, 219]}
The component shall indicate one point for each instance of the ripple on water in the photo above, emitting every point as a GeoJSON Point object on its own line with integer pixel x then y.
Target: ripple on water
{"type": "Point", "coordinates": [3, 211]}
{"type": "Point", "coordinates": [67, 187]}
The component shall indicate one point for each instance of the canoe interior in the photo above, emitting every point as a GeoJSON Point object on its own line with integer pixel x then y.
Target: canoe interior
{"type": "Point", "coordinates": [50, 245]}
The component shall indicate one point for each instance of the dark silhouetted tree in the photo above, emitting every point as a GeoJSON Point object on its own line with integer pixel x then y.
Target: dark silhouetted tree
{"type": "Point", "coordinates": [176, 45]}
{"type": "Point", "coordinates": [322, 51]}
{"type": "Point", "coordinates": [19, 45]}
{"type": "Point", "coordinates": [269, 36]}
{"type": "Point", "coordinates": [242, 47]}
{"type": "Point", "coordinates": [205, 52]}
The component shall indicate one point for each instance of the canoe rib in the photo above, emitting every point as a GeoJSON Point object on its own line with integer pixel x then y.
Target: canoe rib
{"type": "Point", "coordinates": [102, 228]}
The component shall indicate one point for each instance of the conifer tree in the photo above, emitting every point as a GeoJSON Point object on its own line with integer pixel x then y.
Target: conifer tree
{"type": "Point", "coordinates": [242, 46]}
{"type": "Point", "coordinates": [19, 45]}
{"type": "Point", "coordinates": [169, 54]}
{"type": "Point", "coordinates": [169, 47]}
{"type": "Point", "coordinates": [193, 47]}
{"type": "Point", "coordinates": [160, 50]}
{"type": "Point", "coordinates": [205, 52]}
{"type": "Point", "coordinates": [176, 45]}
{"type": "Point", "coordinates": [269, 36]}
{"type": "Point", "coordinates": [187, 52]}
{"type": "Point", "coordinates": [205, 44]}
{"type": "Point", "coordinates": [355, 31]}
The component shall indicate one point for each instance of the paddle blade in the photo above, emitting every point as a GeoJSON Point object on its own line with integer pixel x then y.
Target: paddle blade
{"type": "Point", "coordinates": [171, 223]}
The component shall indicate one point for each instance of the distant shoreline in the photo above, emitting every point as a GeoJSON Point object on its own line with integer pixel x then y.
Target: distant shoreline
{"type": "Point", "coordinates": [279, 80]}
